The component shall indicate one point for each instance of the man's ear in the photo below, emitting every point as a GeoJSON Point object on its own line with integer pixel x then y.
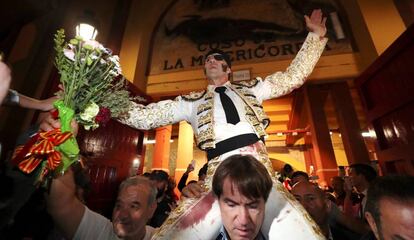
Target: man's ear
{"type": "Point", "coordinates": [372, 224]}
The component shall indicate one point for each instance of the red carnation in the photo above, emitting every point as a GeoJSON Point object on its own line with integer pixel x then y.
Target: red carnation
{"type": "Point", "coordinates": [55, 114]}
{"type": "Point", "coordinates": [103, 116]}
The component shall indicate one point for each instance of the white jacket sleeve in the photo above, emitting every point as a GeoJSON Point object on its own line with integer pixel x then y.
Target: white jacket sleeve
{"type": "Point", "coordinates": [282, 83]}
{"type": "Point", "coordinates": [157, 114]}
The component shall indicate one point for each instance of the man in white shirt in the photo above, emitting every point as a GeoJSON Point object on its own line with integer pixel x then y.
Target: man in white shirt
{"type": "Point", "coordinates": [228, 116]}
{"type": "Point", "coordinates": [134, 206]}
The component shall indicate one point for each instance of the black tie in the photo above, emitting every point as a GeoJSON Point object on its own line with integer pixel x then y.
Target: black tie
{"type": "Point", "coordinates": [229, 109]}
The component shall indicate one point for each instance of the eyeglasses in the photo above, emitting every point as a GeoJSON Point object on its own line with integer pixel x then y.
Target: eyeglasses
{"type": "Point", "coordinates": [217, 57]}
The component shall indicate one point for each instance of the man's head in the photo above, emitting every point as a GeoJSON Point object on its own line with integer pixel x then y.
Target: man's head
{"type": "Point", "coordinates": [242, 186]}
{"type": "Point", "coordinates": [390, 207]}
{"type": "Point", "coordinates": [313, 199]}
{"type": "Point", "coordinates": [134, 206]}
{"type": "Point", "coordinates": [160, 179]}
{"type": "Point", "coordinates": [299, 176]}
{"type": "Point", "coordinates": [287, 170]}
{"type": "Point", "coordinates": [361, 175]}
{"type": "Point", "coordinates": [217, 67]}
{"type": "Point", "coordinates": [202, 173]}
{"type": "Point", "coordinates": [337, 184]}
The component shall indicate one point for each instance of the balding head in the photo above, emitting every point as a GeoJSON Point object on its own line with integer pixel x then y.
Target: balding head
{"type": "Point", "coordinates": [313, 200]}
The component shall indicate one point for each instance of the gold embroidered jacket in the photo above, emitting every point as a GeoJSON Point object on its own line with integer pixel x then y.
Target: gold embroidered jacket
{"type": "Point", "coordinates": [197, 107]}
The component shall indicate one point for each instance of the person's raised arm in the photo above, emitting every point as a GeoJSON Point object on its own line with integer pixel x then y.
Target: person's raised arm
{"type": "Point", "coordinates": [63, 205]}
{"type": "Point", "coordinates": [183, 179]}
{"type": "Point", "coordinates": [282, 83]}
{"type": "Point", "coordinates": [31, 103]}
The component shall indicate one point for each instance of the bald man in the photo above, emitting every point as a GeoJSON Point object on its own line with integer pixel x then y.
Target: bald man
{"type": "Point", "coordinates": [326, 214]}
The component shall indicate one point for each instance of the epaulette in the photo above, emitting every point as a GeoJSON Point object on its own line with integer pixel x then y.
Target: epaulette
{"type": "Point", "coordinates": [249, 84]}
{"type": "Point", "coordinates": [194, 96]}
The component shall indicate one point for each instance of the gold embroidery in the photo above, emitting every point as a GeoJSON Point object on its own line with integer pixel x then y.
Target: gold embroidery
{"type": "Point", "coordinates": [151, 116]}
{"type": "Point", "coordinates": [254, 111]}
{"type": "Point", "coordinates": [204, 107]}
{"type": "Point", "coordinates": [205, 139]}
{"type": "Point", "coordinates": [205, 119]}
{"type": "Point", "coordinates": [205, 123]}
{"type": "Point", "coordinates": [249, 84]}
{"type": "Point", "coordinates": [194, 96]}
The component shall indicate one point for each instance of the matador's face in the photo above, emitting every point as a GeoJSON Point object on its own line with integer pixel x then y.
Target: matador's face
{"type": "Point", "coordinates": [216, 69]}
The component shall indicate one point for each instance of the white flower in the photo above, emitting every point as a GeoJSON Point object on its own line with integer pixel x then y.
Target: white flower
{"type": "Point", "coordinates": [94, 44]}
{"type": "Point", "coordinates": [90, 112]}
{"type": "Point", "coordinates": [115, 60]}
{"type": "Point", "coordinates": [92, 126]}
{"type": "Point", "coordinates": [69, 54]}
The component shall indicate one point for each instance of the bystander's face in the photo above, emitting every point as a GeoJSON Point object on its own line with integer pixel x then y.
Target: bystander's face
{"type": "Point", "coordinates": [215, 72]}
{"type": "Point", "coordinates": [131, 211]}
{"type": "Point", "coordinates": [242, 217]}
{"type": "Point", "coordinates": [397, 220]}
{"type": "Point", "coordinates": [298, 178]}
{"type": "Point", "coordinates": [338, 185]}
{"type": "Point", "coordinates": [313, 200]}
{"type": "Point", "coordinates": [356, 179]}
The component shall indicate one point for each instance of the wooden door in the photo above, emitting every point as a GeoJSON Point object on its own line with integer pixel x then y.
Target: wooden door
{"type": "Point", "coordinates": [387, 93]}
{"type": "Point", "coordinates": [109, 152]}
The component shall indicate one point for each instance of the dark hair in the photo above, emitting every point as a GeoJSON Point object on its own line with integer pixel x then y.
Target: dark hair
{"type": "Point", "coordinates": [203, 170]}
{"type": "Point", "coordinates": [226, 57]}
{"type": "Point", "coordinates": [287, 168]}
{"type": "Point", "coordinates": [246, 173]}
{"type": "Point", "coordinates": [398, 188]}
{"type": "Point", "coordinates": [300, 173]}
{"type": "Point", "coordinates": [159, 175]}
{"type": "Point", "coordinates": [366, 170]}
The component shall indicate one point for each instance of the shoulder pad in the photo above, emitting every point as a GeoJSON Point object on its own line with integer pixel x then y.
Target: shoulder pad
{"type": "Point", "coordinates": [194, 96]}
{"type": "Point", "coordinates": [249, 84]}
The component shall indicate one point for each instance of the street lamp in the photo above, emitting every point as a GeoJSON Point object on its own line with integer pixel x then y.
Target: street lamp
{"type": "Point", "coordinates": [86, 31]}
{"type": "Point", "coordinates": [87, 26]}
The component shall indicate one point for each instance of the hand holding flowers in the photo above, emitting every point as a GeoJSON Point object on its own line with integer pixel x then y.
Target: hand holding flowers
{"type": "Point", "coordinates": [93, 91]}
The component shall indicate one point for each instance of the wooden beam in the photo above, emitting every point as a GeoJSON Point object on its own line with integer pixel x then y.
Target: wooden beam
{"type": "Point", "coordinates": [296, 116]}
{"type": "Point", "coordinates": [315, 98]}
{"type": "Point", "coordinates": [276, 117]}
{"type": "Point", "coordinates": [355, 149]}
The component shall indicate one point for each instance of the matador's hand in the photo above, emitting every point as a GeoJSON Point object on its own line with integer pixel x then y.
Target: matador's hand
{"type": "Point", "coordinates": [316, 22]}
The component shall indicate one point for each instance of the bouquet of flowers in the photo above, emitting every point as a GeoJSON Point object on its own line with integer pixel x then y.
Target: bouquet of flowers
{"type": "Point", "coordinates": [93, 91]}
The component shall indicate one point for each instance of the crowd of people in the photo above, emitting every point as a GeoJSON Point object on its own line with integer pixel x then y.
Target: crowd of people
{"type": "Point", "coordinates": [229, 124]}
